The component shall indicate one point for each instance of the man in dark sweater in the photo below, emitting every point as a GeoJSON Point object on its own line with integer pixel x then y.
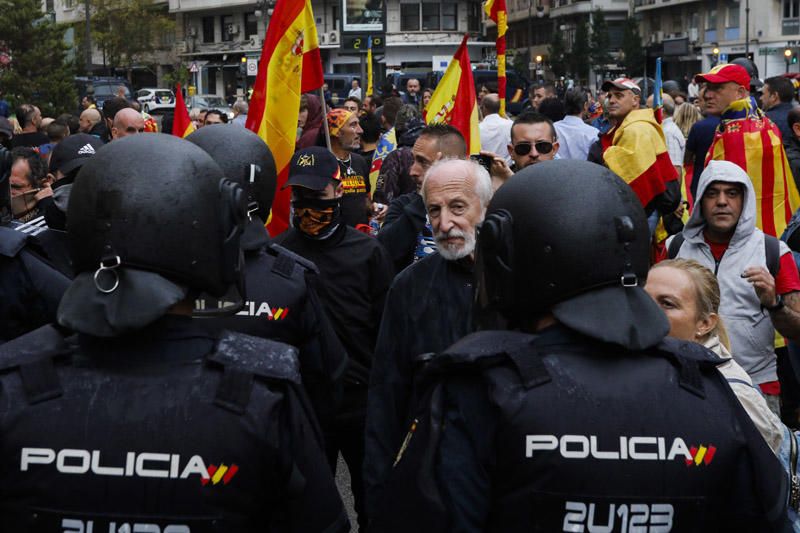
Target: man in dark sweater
{"type": "Point", "coordinates": [355, 273]}
{"type": "Point", "coordinates": [792, 143]}
{"type": "Point", "coordinates": [776, 101]}
{"type": "Point", "coordinates": [29, 118]}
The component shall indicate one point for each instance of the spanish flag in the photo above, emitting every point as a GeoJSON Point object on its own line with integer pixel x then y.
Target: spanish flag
{"type": "Point", "coordinates": [496, 10]}
{"type": "Point", "coordinates": [454, 102]}
{"type": "Point", "coordinates": [636, 151]}
{"type": "Point", "coordinates": [290, 66]}
{"type": "Point", "coordinates": [751, 140]}
{"type": "Point", "coordinates": [181, 123]}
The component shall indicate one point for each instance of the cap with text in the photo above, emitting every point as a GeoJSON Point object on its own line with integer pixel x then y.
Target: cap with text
{"type": "Point", "coordinates": [724, 74]}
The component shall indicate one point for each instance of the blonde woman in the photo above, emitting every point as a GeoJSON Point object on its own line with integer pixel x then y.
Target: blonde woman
{"type": "Point", "coordinates": [685, 116]}
{"type": "Point", "coordinates": [689, 294]}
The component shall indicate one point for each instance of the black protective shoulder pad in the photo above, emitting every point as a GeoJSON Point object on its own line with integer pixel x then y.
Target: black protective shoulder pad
{"type": "Point", "coordinates": [11, 242]}
{"type": "Point", "coordinates": [43, 343]}
{"type": "Point", "coordinates": [487, 344]}
{"type": "Point", "coordinates": [260, 357]}
{"type": "Point", "coordinates": [690, 351]}
{"type": "Point", "coordinates": [283, 255]}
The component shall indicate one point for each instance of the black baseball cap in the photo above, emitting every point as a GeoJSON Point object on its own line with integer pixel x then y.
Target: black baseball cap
{"type": "Point", "coordinates": [313, 168]}
{"type": "Point", "coordinates": [73, 152]}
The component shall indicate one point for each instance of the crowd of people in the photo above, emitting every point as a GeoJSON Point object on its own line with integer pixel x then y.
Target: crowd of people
{"type": "Point", "coordinates": [591, 323]}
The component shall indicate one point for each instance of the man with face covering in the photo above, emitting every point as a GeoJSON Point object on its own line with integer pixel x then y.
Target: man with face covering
{"type": "Point", "coordinates": [355, 273]}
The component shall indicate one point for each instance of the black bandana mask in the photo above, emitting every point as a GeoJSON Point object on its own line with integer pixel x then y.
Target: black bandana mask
{"type": "Point", "coordinates": [315, 217]}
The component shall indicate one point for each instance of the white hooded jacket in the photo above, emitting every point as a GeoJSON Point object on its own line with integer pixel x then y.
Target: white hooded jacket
{"type": "Point", "coordinates": [751, 332]}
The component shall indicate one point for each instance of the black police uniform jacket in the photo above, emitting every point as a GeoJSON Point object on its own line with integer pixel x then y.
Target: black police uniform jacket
{"type": "Point", "coordinates": [283, 305]}
{"type": "Point", "coordinates": [559, 432]}
{"type": "Point", "coordinates": [30, 288]}
{"type": "Point", "coordinates": [167, 429]}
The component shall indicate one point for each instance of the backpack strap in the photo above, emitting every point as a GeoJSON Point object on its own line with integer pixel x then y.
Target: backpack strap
{"type": "Point", "coordinates": [675, 245]}
{"type": "Point", "coordinates": [772, 251]}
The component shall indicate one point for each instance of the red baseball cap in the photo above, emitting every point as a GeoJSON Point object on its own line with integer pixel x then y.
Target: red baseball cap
{"type": "Point", "coordinates": [726, 73]}
{"type": "Point", "coordinates": [621, 84]}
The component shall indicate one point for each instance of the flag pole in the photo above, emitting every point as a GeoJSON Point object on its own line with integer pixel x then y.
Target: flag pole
{"type": "Point", "coordinates": [325, 119]}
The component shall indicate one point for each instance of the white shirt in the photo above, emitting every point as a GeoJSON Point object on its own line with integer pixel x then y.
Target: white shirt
{"type": "Point", "coordinates": [694, 90]}
{"type": "Point", "coordinates": [355, 92]}
{"type": "Point", "coordinates": [676, 143]}
{"type": "Point", "coordinates": [496, 135]}
{"type": "Point", "coordinates": [575, 137]}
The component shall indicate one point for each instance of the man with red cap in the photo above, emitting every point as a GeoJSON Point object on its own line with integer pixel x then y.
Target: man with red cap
{"type": "Point", "coordinates": [636, 150]}
{"type": "Point", "coordinates": [749, 139]}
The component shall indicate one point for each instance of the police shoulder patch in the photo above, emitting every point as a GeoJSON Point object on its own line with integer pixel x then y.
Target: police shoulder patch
{"type": "Point", "coordinates": [261, 357]}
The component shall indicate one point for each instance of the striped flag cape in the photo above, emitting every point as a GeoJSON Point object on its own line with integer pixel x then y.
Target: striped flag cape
{"type": "Point", "coordinates": [181, 123]}
{"type": "Point", "coordinates": [454, 101]}
{"type": "Point", "coordinates": [386, 145]}
{"type": "Point", "coordinates": [496, 10]}
{"type": "Point", "coordinates": [749, 139]}
{"type": "Point", "coordinates": [290, 65]}
{"type": "Point", "coordinates": [636, 151]}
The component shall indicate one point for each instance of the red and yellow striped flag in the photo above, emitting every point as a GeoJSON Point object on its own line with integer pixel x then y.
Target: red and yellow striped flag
{"type": "Point", "coordinates": [290, 65]}
{"type": "Point", "coordinates": [496, 10]}
{"type": "Point", "coordinates": [454, 102]}
{"type": "Point", "coordinates": [749, 139]}
{"type": "Point", "coordinates": [181, 123]}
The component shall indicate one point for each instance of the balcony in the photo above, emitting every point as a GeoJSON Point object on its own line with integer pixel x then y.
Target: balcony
{"type": "Point", "coordinates": [732, 34]}
{"type": "Point", "coordinates": [790, 26]}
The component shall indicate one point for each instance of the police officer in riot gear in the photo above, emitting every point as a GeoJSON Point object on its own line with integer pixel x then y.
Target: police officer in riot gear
{"type": "Point", "coordinates": [143, 421]}
{"type": "Point", "coordinates": [30, 288]}
{"type": "Point", "coordinates": [282, 301]}
{"type": "Point", "coordinates": [755, 82]}
{"type": "Point", "coordinates": [579, 414]}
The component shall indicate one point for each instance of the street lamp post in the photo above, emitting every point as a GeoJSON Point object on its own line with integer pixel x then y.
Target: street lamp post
{"type": "Point", "coordinates": [538, 67]}
{"type": "Point", "coordinates": [787, 55]}
{"type": "Point", "coordinates": [715, 52]}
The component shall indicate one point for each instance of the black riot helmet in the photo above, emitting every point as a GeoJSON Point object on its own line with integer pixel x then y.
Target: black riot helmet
{"type": "Point", "coordinates": [751, 68]}
{"type": "Point", "coordinates": [571, 238]}
{"type": "Point", "coordinates": [151, 221]}
{"type": "Point", "coordinates": [245, 159]}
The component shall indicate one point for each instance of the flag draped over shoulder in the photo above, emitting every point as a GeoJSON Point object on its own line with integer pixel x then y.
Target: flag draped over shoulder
{"type": "Point", "coordinates": [181, 123]}
{"type": "Point", "coordinates": [749, 139]}
{"type": "Point", "coordinates": [637, 152]}
{"type": "Point", "coordinates": [290, 65]}
{"type": "Point", "coordinates": [496, 10]}
{"type": "Point", "coordinates": [454, 102]}
{"type": "Point", "coordinates": [386, 144]}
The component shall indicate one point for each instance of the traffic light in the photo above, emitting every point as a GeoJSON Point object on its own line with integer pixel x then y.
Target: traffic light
{"type": "Point", "coordinates": [751, 56]}
{"type": "Point", "coordinates": [243, 66]}
{"type": "Point", "coordinates": [794, 59]}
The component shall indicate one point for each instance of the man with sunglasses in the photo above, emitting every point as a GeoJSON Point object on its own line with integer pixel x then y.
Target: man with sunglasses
{"type": "Point", "coordinates": [636, 150]}
{"type": "Point", "coordinates": [533, 139]}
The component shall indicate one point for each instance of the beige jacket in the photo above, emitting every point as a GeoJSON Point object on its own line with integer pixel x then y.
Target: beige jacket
{"type": "Point", "coordinates": [765, 420]}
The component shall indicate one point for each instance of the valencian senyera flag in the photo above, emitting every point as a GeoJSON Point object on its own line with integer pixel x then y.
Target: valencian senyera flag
{"type": "Point", "coordinates": [290, 65]}
{"type": "Point", "coordinates": [454, 102]}
{"type": "Point", "coordinates": [181, 123]}
{"type": "Point", "coordinates": [386, 145]}
{"type": "Point", "coordinates": [749, 139]}
{"type": "Point", "coordinates": [496, 10]}
{"type": "Point", "coordinates": [658, 94]}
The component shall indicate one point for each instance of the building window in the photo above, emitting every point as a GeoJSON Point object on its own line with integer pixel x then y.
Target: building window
{"type": "Point", "coordinates": [227, 27]}
{"type": "Point", "coordinates": [711, 19]}
{"type": "Point", "coordinates": [450, 17]}
{"type": "Point", "coordinates": [791, 9]}
{"type": "Point", "coordinates": [69, 4]}
{"type": "Point", "coordinates": [49, 6]}
{"type": "Point", "coordinates": [733, 16]}
{"type": "Point", "coordinates": [250, 24]}
{"type": "Point", "coordinates": [409, 17]}
{"type": "Point", "coordinates": [677, 23]}
{"type": "Point", "coordinates": [208, 29]}
{"type": "Point", "coordinates": [694, 20]}
{"type": "Point", "coordinates": [430, 16]}
{"type": "Point", "coordinates": [474, 16]}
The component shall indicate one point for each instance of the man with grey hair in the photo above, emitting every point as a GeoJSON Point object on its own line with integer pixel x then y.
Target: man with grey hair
{"type": "Point", "coordinates": [428, 307]}
{"type": "Point", "coordinates": [240, 109]}
{"type": "Point", "coordinates": [676, 142]}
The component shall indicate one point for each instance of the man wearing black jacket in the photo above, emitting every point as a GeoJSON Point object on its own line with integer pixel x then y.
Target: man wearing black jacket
{"type": "Point", "coordinates": [355, 273]}
{"type": "Point", "coordinates": [406, 232]}
{"type": "Point", "coordinates": [427, 309]}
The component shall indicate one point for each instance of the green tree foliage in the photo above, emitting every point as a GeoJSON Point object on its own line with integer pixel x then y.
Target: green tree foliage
{"type": "Point", "coordinates": [579, 55]}
{"type": "Point", "coordinates": [599, 42]}
{"type": "Point", "coordinates": [39, 72]}
{"type": "Point", "coordinates": [632, 48]}
{"type": "Point", "coordinates": [558, 55]}
{"type": "Point", "coordinates": [128, 32]}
